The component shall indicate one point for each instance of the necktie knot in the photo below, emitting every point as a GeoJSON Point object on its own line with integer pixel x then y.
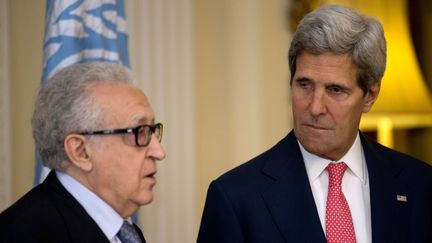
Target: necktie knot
{"type": "Point", "coordinates": [336, 172]}
{"type": "Point", "coordinates": [128, 234]}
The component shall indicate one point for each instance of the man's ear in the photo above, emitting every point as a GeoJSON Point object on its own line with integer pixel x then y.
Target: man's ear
{"type": "Point", "coordinates": [78, 151]}
{"type": "Point", "coordinates": [371, 96]}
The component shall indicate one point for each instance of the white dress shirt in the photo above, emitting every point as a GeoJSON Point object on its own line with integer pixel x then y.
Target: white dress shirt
{"type": "Point", "coordinates": [108, 220]}
{"type": "Point", "coordinates": [355, 186]}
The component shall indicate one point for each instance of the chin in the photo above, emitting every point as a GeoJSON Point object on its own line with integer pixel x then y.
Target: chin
{"type": "Point", "coordinates": [311, 143]}
{"type": "Point", "coordinates": [314, 147]}
{"type": "Point", "coordinates": [145, 198]}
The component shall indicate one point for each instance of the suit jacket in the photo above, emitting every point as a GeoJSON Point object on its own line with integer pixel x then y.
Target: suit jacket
{"type": "Point", "coordinates": [269, 199]}
{"type": "Point", "coordinates": [49, 213]}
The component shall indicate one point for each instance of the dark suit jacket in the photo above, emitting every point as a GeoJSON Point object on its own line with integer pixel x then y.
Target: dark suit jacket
{"type": "Point", "coordinates": [269, 199]}
{"type": "Point", "coordinates": [49, 213]}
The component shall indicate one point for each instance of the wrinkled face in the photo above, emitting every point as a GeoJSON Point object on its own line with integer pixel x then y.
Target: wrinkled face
{"type": "Point", "coordinates": [327, 103]}
{"type": "Point", "coordinates": [122, 173]}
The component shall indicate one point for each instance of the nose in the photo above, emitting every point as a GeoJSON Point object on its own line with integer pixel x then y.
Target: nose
{"type": "Point", "coordinates": [156, 150]}
{"type": "Point", "coordinates": [317, 104]}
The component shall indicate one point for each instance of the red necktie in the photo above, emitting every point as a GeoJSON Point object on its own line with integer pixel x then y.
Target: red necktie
{"type": "Point", "coordinates": [339, 225]}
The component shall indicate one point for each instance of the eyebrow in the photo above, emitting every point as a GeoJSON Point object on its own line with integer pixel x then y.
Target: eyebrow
{"type": "Point", "coordinates": [338, 85]}
{"type": "Point", "coordinates": [142, 119]}
{"type": "Point", "coordinates": [330, 84]}
{"type": "Point", "coordinates": [302, 79]}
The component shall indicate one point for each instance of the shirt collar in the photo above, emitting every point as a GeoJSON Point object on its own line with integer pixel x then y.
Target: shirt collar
{"type": "Point", "coordinates": [108, 220]}
{"type": "Point", "coordinates": [354, 159]}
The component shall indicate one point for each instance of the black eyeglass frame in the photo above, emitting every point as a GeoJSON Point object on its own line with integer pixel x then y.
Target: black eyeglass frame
{"type": "Point", "coordinates": [134, 130]}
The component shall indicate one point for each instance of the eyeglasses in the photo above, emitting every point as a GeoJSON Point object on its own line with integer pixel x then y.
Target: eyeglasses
{"type": "Point", "coordinates": [143, 133]}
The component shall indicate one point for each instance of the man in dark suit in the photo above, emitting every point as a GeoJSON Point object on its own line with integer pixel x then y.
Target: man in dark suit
{"type": "Point", "coordinates": [325, 181]}
{"type": "Point", "coordinates": [96, 131]}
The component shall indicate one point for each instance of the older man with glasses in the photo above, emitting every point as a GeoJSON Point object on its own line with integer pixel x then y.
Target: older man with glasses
{"type": "Point", "coordinates": [97, 133]}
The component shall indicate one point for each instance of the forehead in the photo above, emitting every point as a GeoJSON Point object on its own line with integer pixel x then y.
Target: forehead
{"type": "Point", "coordinates": [326, 67]}
{"type": "Point", "coordinates": [122, 105]}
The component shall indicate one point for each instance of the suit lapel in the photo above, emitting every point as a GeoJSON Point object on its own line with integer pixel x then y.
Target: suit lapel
{"type": "Point", "coordinates": [291, 204]}
{"type": "Point", "coordinates": [140, 233]}
{"type": "Point", "coordinates": [289, 199]}
{"type": "Point", "coordinates": [80, 225]}
{"type": "Point", "coordinates": [389, 216]}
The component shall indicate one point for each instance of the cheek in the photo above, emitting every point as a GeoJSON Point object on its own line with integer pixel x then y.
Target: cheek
{"type": "Point", "coordinates": [296, 103]}
{"type": "Point", "coordinates": [299, 110]}
{"type": "Point", "coordinates": [347, 119]}
{"type": "Point", "coordinates": [118, 169]}
{"type": "Point", "coordinates": [294, 96]}
{"type": "Point", "coordinates": [135, 168]}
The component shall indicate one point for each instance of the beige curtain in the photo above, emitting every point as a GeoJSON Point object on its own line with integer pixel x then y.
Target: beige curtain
{"type": "Point", "coordinates": [5, 167]}
{"type": "Point", "coordinates": [160, 48]}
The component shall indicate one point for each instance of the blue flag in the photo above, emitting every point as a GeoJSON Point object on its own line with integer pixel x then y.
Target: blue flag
{"type": "Point", "coordinates": [78, 31]}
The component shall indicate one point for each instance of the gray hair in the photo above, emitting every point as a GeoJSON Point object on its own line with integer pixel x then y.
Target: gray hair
{"type": "Point", "coordinates": [341, 30]}
{"type": "Point", "coordinates": [64, 106]}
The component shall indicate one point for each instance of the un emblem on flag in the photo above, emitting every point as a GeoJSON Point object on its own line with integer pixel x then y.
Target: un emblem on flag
{"type": "Point", "coordinates": [84, 31]}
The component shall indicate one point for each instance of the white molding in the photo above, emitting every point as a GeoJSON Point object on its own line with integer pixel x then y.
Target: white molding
{"type": "Point", "coordinates": [5, 165]}
{"type": "Point", "coordinates": [160, 47]}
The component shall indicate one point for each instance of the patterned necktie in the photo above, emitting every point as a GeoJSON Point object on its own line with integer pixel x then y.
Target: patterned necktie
{"type": "Point", "coordinates": [128, 234]}
{"type": "Point", "coordinates": [339, 225]}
